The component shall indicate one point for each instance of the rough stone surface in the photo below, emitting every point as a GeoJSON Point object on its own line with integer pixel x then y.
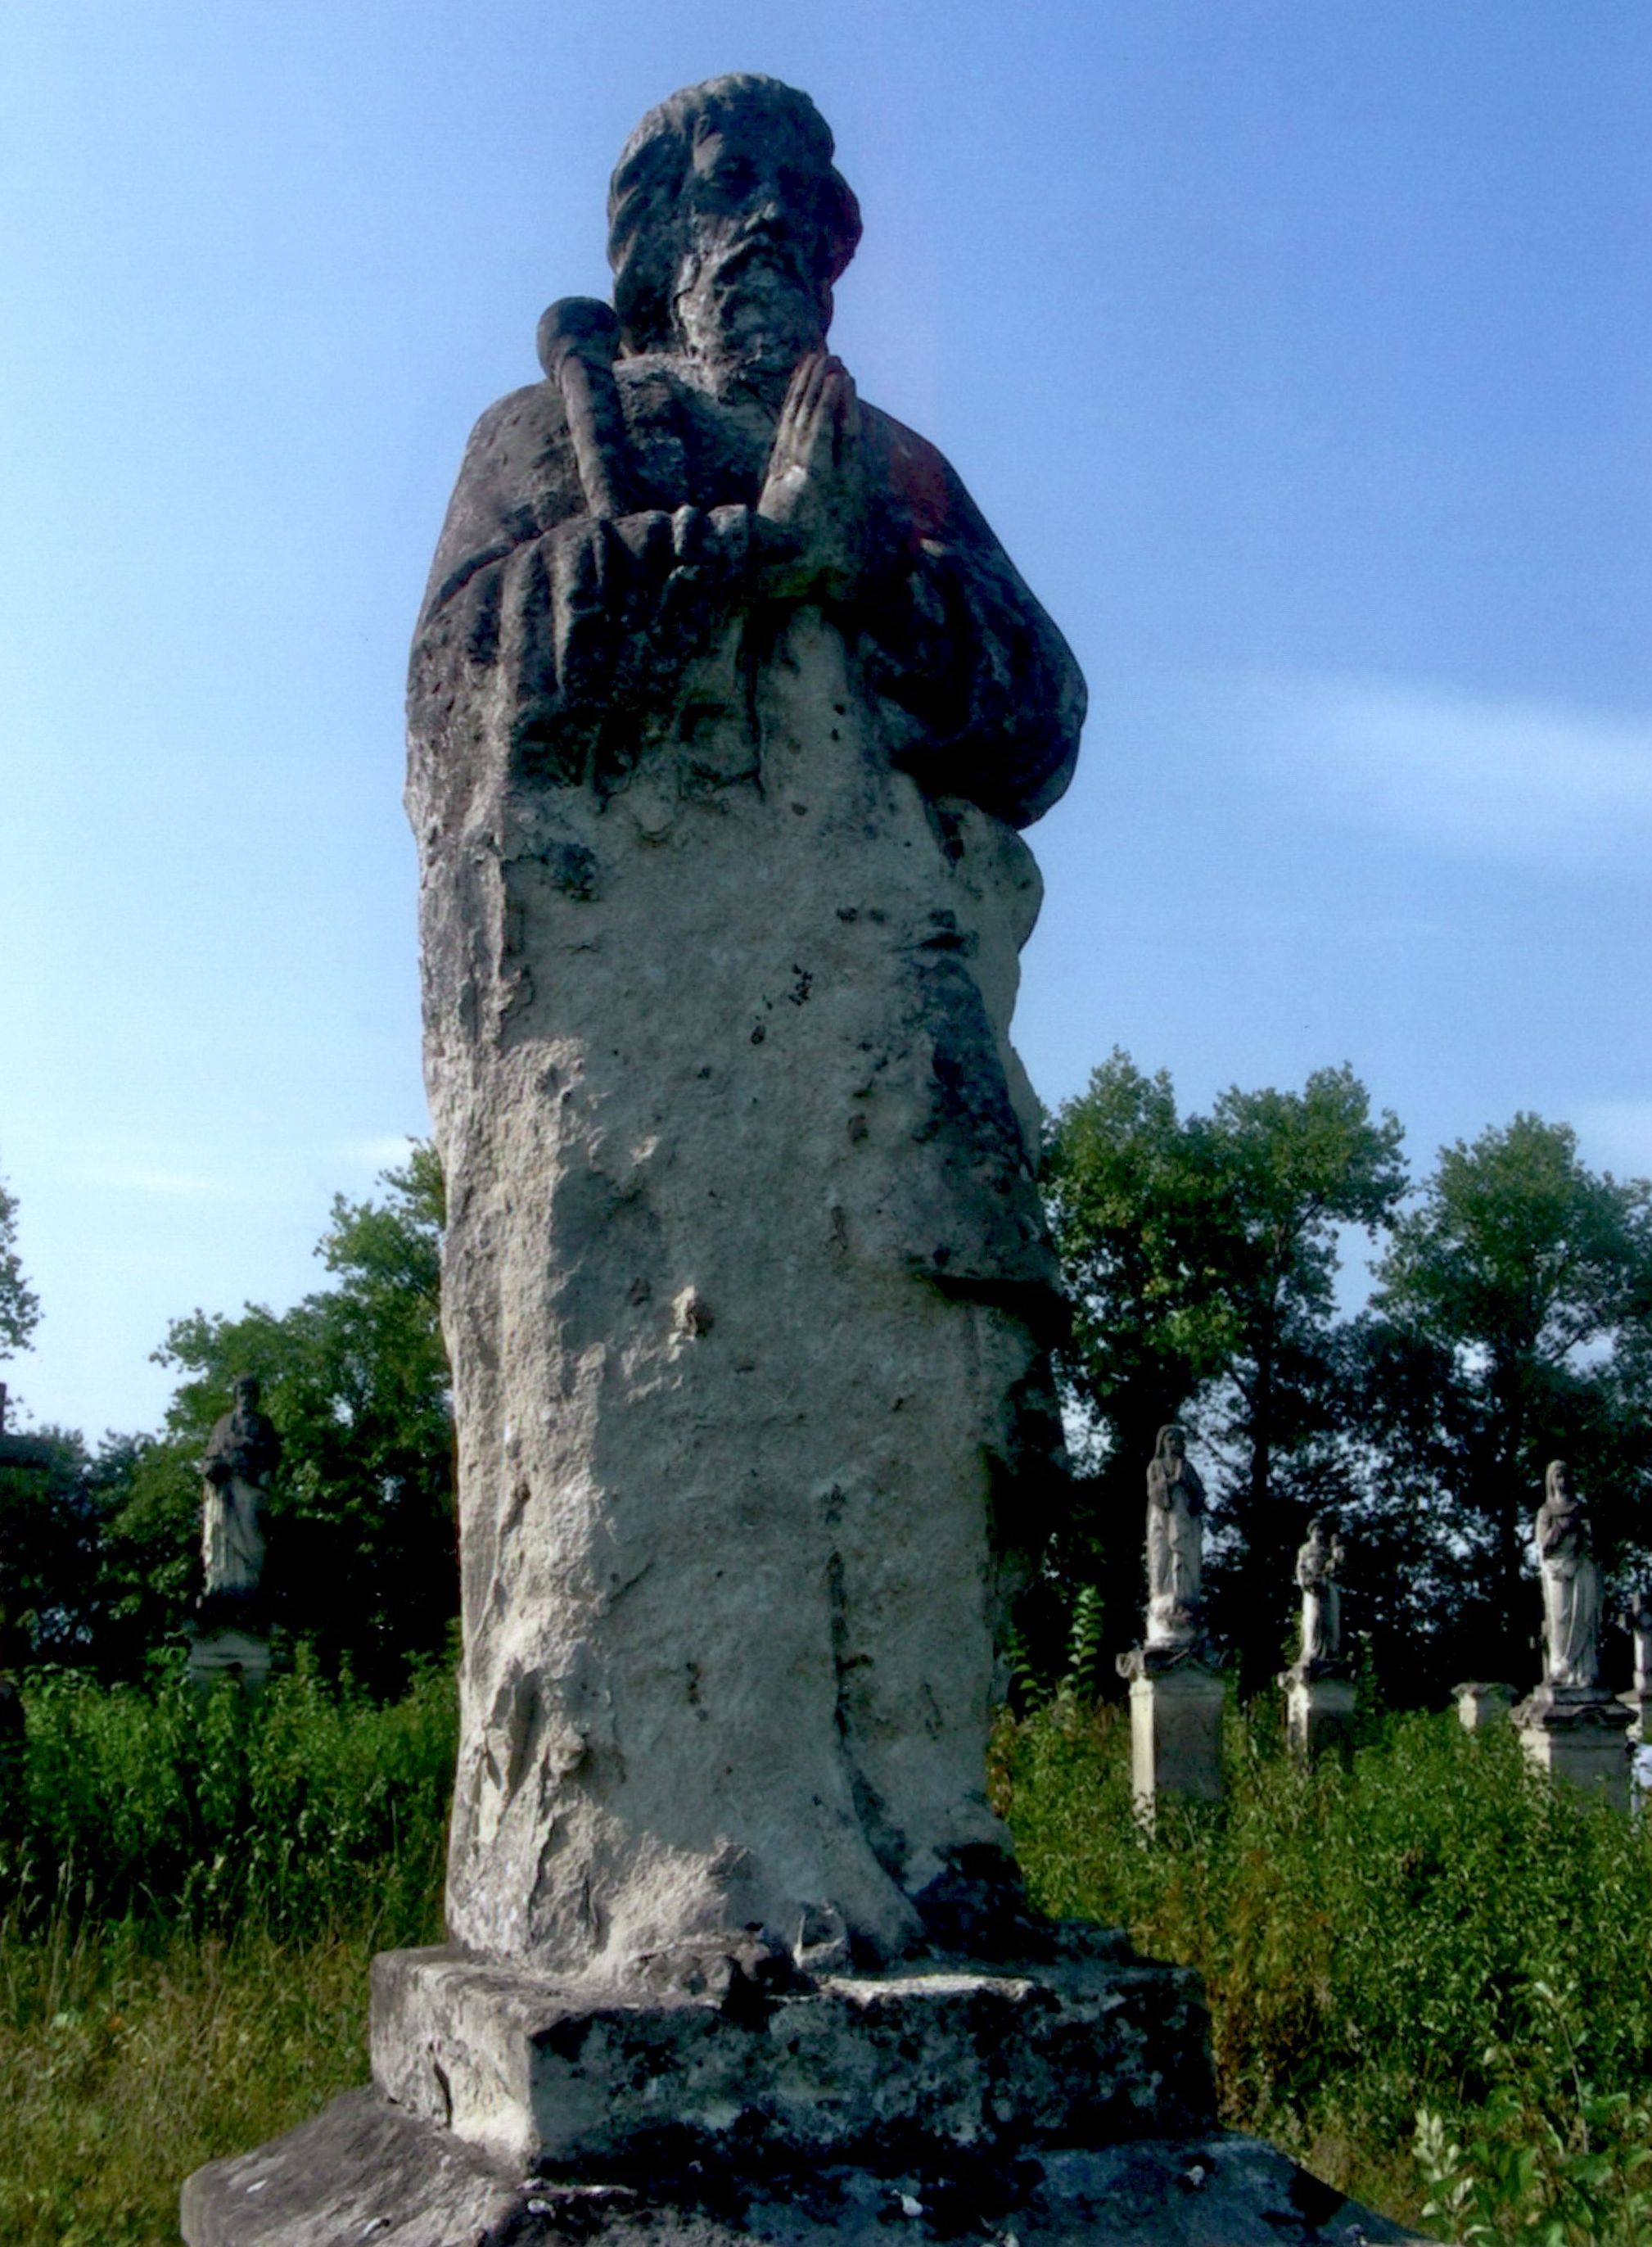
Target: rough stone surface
{"type": "Point", "coordinates": [233, 1654]}
{"type": "Point", "coordinates": [1579, 1734]}
{"type": "Point", "coordinates": [1479, 1705]}
{"type": "Point", "coordinates": [1176, 1735]}
{"type": "Point", "coordinates": [1091, 2046]}
{"type": "Point", "coordinates": [746, 1286]}
{"type": "Point", "coordinates": [366, 2174]}
{"type": "Point", "coordinates": [1319, 1711]}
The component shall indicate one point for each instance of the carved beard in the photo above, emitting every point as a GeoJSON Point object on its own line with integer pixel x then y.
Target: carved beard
{"type": "Point", "coordinates": [748, 307]}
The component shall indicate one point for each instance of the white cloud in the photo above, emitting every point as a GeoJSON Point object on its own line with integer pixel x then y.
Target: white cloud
{"type": "Point", "coordinates": [1491, 778]}
{"type": "Point", "coordinates": [140, 1178]}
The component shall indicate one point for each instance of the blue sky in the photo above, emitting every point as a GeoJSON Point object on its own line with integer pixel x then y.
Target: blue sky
{"type": "Point", "coordinates": [1299, 352]}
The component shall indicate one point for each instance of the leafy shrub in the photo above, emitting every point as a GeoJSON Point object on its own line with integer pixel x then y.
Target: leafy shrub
{"type": "Point", "coordinates": [290, 1812]}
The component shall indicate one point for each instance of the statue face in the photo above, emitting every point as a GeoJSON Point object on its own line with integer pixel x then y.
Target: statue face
{"type": "Point", "coordinates": [748, 288]}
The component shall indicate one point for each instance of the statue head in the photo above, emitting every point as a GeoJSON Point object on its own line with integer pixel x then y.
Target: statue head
{"type": "Point", "coordinates": [1557, 1483]}
{"type": "Point", "coordinates": [727, 224]}
{"type": "Point", "coordinates": [1171, 1441]}
{"type": "Point", "coordinates": [246, 1389]}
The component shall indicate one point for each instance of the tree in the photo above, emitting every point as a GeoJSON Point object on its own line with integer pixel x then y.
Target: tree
{"type": "Point", "coordinates": [1513, 1309]}
{"type": "Point", "coordinates": [362, 1557]}
{"type": "Point", "coordinates": [1201, 1257]}
{"type": "Point", "coordinates": [19, 1306]}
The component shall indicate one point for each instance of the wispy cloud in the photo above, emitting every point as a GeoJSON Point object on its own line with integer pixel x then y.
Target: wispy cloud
{"type": "Point", "coordinates": [1465, 775]}
{"type": "Point", "coordinates": [140, 1178]}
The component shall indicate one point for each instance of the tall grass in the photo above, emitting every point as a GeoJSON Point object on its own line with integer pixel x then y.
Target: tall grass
{"type": "Point", "coordinates": [1436, 1929]}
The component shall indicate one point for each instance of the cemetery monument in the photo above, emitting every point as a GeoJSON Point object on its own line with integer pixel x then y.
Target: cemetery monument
{"type": "Point", "coordinates": [1319, 1685]}
{"type": "Point", "coordinates": [1571, 1725]}
{"type": "Point", "coordinates": [231, 1631]}
{"type": "Point", "coordinates": [727, 711]}
{"type": "Point", "coordinates": [1637, 1621]}
{"type": "Point", "coordinates": [1176, 1692]}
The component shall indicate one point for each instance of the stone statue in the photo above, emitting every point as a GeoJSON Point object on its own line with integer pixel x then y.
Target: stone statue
{"type": "Point", "coordinates": [1175, 1542]}
{"type": "Point", "coordinates": [1317, 1562]}
{"type": "Point", "coordinates": [1571, 1584]}
{"type": "Point", "coordinates": [1637, 1621]}
{"type": "Point", "coordinates": [242, 1454]}
{"type": "Point", "coordinates": [725, 708]}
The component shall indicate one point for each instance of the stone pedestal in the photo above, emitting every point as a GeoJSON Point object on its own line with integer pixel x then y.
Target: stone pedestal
{"type": "Point", "coordinates": [1175, 1728]}
{"type": "Point", "coordinates": [1069, 2099]}
{"type": "Point", "coordinates": [1579, 1735]}
{"type": "Point", "coordinates": [1319, 1711]}
{"type": "Point", "coordinates": [1480, 1705]}
{"type": "Point", "coordinates": [237, 1655]}
{"type": "Point", "coordinates": [1639, 1705]}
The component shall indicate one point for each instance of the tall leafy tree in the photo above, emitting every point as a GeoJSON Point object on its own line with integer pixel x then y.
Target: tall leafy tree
{"type": "Point", "coordinates": [19, 1305]}
{"type": "Point", "coordinates": [361, 1543]}
{"type": "Point", "coordinates": [1201, 1255]}
{"type": "Point", "coordinates": [1512, 1324]}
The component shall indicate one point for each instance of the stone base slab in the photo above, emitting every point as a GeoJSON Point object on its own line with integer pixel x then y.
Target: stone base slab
{"type": "Point", "coordinates": [235, 1654]}
{"type": "Point", "coordinates": [364, 2174]}
{"type": "Point", "coordinates": [1175, 1736]}
{"type": "Point", "coordinates": [1091, 2047]}
{"type": "Point", "coordinates": [1318, 1713]}
{"type": "Point", "coordinates": [1577, 1734]}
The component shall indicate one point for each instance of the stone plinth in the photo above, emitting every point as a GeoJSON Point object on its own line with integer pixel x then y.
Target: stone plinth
{"type": "Point", "coordinates": [1093, 2047]}
{"type": "Point", "coordinates": [1578, 1734]}
{"type": "Point", "coordinates": [1639, 1707]}
{"type": "Point", "coordinates": [1319, 1711]}
{"type": "Point", "coordinates": [364, 2171]}
{"type": "Point", "coordinates": [233, 1654]}
{"type": "Point", "coordinates": [1175, 1728]}
{"type": "Point", "coordinates": [1480, 1705]}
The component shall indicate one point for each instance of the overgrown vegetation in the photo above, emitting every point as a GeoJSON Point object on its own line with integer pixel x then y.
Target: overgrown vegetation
{"type": "Point", "coordinates": [1430, 1974]}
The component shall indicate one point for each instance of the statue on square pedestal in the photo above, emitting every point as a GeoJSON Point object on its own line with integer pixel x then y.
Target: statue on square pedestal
{"type": "Point", "coordinates": [231, 1634]}
{"type": "Point", "coordinates": [1319, 1685]}
{"type": "Point", "coordinates": [1176, 1695]}
{"type": "Point", "coordinates": [1571, 1726]}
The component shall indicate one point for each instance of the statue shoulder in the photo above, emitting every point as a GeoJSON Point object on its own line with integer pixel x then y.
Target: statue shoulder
{"type": "Point", "coordinates": [922, 483]}
{"type": "Point", "coordinates": [518, 478]}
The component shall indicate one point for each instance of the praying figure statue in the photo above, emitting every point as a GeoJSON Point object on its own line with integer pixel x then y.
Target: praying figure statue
{"type": "Point", "coordinates": [1571, 1584]}
{"type": "Point", "coordinates": [1175, 1542]}
{"type": "Point", "coordinates": [1317, 1563]}
{"type": "Point", "coordinates": [241, 1456]}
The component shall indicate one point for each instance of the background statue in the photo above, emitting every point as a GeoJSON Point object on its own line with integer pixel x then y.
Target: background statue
{"type": "Point", "coordinates": [242, 1454]}
{"type": "Point", "coordinates": [1317, 1562]}
{"type": "Point", "coordinates": [726, 706]}
{"type": "Point", "coordinates": [1175, 1542]}
{"type": "Point", "coordinates": [1571, 1584]}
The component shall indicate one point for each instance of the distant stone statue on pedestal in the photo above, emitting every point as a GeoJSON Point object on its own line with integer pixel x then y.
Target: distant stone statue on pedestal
{"type": "Point", "coordinates": [241, 1455]}
{"type": "Point", "coordinates": [1571, 1726]}
{"type": "Point", "coordinates": [1176, 1695]}
{"type": "Point", "coordinates": [1319, 1685]}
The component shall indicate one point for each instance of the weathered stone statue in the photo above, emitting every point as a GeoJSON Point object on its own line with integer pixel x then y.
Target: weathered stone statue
{"type": "Point", "coordinates": [1571, 1584]}
{"type": "Point", "coordinates": [1175, 1542]}
{"type": "Point", "coordinates": [1318, 1559]}
{"type": "Point", "coordinates": [1637, 1620]}
{"type": "Point", "coordinates": [727, 707]}
{"type": "Point", "coordinates": [1571, 1726]}
{"type": "Point", "coordinates": [242, 1454]}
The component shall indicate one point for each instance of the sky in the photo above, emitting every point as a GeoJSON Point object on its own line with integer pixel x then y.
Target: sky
{"type": "Point", "coordinates": [1300, 352]}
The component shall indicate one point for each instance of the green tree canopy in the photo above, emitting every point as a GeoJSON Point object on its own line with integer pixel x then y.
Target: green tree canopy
{"type": "Point", "coordinates": [1201, 1255]}
{"type": "Point", "coordinates": [361, 1542]}
{"type": "Point", "coordinates": [19, 1306]}
{"type": "Point", "coordinates": [1511, 1326]}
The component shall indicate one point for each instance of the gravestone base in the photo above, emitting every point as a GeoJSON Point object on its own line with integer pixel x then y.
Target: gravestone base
{"type": "Point", "coordinates": [1175, 1728]}
{"type": "Point", "coordinates": [1319, 1711]}
{"type": "Point", "coordinates": [1067, 2100]}
{"type": "Point", "coordinates": [1578, 1734]}
{"type": "Point", "coordinates": [1479, 1706]}
{"type": "Point", "coordinates": [238, 1655]}
{"type": "Point", "coordinates": [1639, 1707]}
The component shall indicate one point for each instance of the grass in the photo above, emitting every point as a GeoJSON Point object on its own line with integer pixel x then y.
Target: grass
{"type": "Point", "coordinates": [193, 1891]}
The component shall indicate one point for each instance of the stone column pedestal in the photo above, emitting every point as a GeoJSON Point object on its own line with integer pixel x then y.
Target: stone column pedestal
{"type": "Point", "coordinates": [1176, 1727]}
{"type": "Point", "coordinates": [1319, 1710]}
{"type": "Point", "coordinates": [1480, 1705]}
{"type": "Point", "coordinates": [234, 1654]}
{"type": "Point", "coordinates": [1579, 1735]}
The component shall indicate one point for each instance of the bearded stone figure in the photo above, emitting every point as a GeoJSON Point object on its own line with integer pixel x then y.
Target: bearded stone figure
{"type": "Point", "coordinates": [726, 708]}
{"type": "Point", "coordinates": [1571, 1584]}
{"type": "Point", "coordinates": [242, 1454]}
